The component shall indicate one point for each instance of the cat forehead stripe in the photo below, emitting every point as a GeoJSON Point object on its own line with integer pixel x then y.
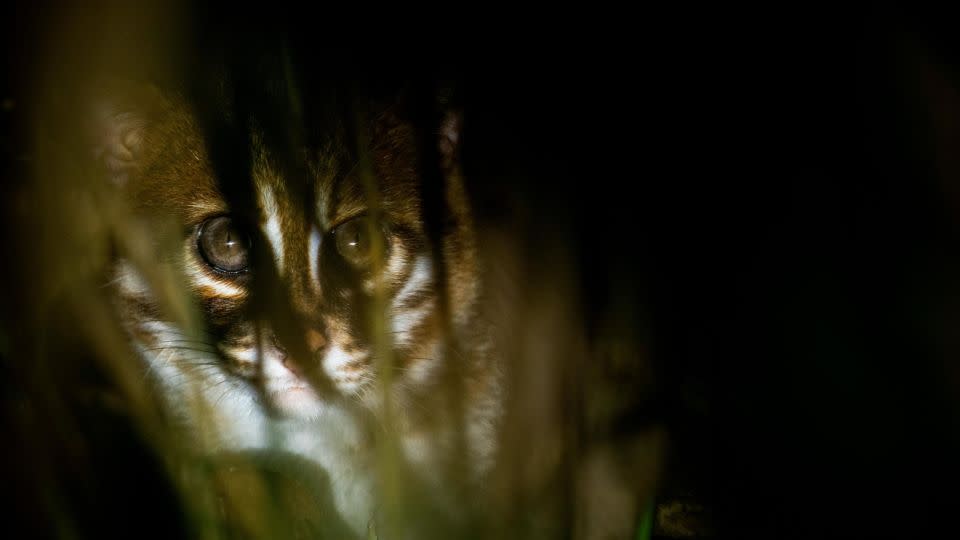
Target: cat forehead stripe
{"type": "Point", "coordinates": [271, 228]}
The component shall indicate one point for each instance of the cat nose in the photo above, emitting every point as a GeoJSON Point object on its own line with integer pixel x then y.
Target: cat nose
{"type": "Point", "coordinates": [292, 366]}
{"type": "Point", "coordinates": [315, 340]}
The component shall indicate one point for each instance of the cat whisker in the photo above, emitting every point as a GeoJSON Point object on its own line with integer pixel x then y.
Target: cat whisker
{"type": "Point", "coordinates": [222, 394]}
{"type": "Point", "coordinates": [184, 341]}
{"type": "Point", "coordinates": [181, 348]}
{"type": "Point", "coordinates": [150, 369]}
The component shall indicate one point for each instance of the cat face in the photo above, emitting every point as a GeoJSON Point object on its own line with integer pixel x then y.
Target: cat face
{"type": "Point", "coordinates": [306, 294]}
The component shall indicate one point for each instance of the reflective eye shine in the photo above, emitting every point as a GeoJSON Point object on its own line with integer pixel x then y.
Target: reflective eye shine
{"type": "Point", "coordinates": [355, 244]}
{"type": "Point", "coordinates": [223, 246]}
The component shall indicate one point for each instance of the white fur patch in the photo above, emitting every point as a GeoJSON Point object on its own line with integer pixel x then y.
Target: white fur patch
{"type": "Point", "coordinates": [395, 262]}
{"type": "Point", "coordinates": [222, 408]}
{"type": "Point", "coordinates": [314, 255]}
{"type": "Point", "coordinates": [271, 228]}
{"type": "Point", "coordinates": [225, 413]}
{"type": "Point", "coordinates": [334, 440]}
{"type": "Point", "coordinates": [333, 362]}
{"type": "Point", "coordinates": [249, 355]}
{"type": "Point", "coordinates": [403, 321]}
{"type": "Point", "coordinates": [418, 280]}
{"type": "Point", "coordinates": [130, 281]}
{"type": "Point", "coordinates": [202, 279]}
{"type": "Point", "coordinates": [424, 369]}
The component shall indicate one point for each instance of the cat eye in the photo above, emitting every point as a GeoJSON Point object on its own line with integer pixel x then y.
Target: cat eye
{"type": "Point", "coordinates": [223, 245]}
{"type": "Point", "coordinates": [357, 240]}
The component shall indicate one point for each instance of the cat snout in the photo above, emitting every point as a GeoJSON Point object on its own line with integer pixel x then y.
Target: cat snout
{"type": "Point", "coordinates": [294, 357]}
{"type": "Point", "coordinates": [294, 367]}
{"type": "Point", "coordinates": [315, 341]}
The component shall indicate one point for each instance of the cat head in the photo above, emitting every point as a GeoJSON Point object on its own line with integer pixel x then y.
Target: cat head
{"type": "Point", "coordinates": [311, 272]}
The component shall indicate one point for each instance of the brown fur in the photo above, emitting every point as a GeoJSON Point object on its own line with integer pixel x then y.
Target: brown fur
{"type": "Point", "coordinates": [172, 179]}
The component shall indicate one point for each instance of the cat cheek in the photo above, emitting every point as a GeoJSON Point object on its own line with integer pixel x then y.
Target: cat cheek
{"type": "Point", "coordinates": [347, 371]}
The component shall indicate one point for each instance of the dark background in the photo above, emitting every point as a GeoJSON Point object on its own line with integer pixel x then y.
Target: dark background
{"type": "Point", "coordinates": [835, 378]}
{"type": "Point", "coordinates": [782, 187]}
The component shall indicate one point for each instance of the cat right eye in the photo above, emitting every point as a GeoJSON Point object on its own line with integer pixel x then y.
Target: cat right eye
{"type": "Point", "coordinates": [357, 241]}
{"type": "Point", "coordinates": [223, 246]}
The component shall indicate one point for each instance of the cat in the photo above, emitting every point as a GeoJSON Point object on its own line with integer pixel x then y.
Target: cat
{"type": "Point", "coordinates": [305, 308]}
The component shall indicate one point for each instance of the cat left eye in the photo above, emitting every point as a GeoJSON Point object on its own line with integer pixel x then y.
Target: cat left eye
{"type": "Point", "coordinates": [223, 246]}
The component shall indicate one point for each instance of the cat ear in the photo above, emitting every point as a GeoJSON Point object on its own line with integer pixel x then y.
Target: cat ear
{"type": "Point", "coordinates": [400, 115]}
{"type": "Point", "coordinates": [119, 115]}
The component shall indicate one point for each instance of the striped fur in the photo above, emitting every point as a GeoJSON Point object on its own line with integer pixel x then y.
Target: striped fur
{"type": "Point", "coordinates": [285, 355]}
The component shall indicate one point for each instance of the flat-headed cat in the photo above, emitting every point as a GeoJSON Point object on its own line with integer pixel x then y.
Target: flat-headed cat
{"type": "Point", "coordinates": [286, 294]}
